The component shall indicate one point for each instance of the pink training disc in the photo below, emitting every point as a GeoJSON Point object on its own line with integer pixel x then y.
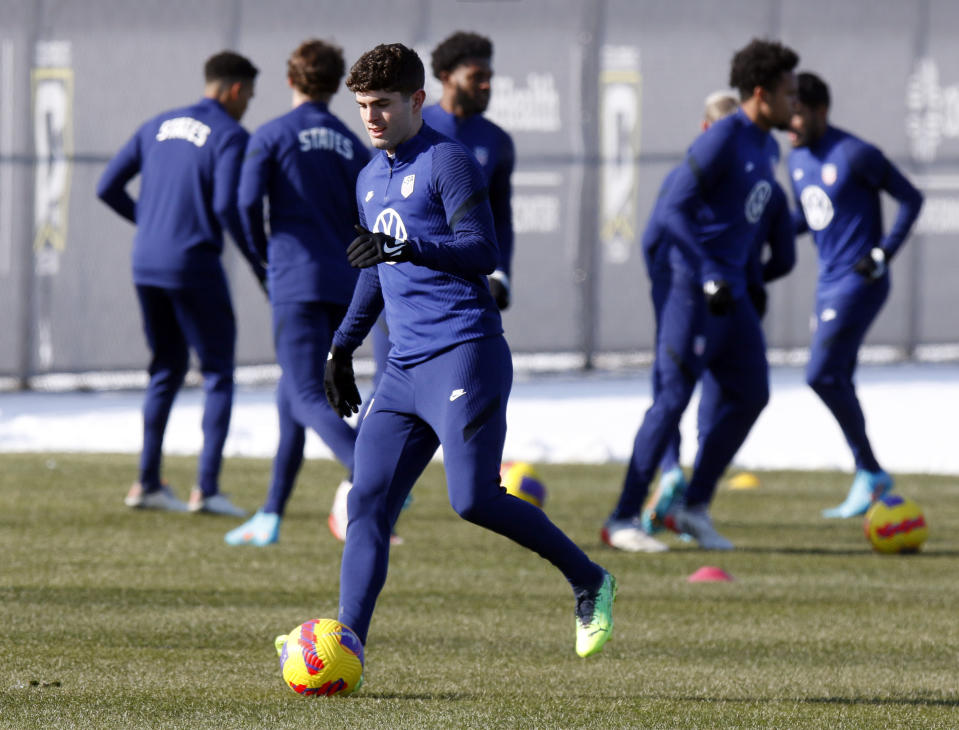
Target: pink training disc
{"type": "Point", "coordinates": [709, 574]}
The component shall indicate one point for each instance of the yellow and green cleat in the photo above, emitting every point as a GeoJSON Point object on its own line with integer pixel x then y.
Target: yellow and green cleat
{"type": "Point", "coordinates": [594, 617]}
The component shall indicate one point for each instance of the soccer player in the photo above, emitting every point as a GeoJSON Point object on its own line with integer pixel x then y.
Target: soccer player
{"type": "Point", "coordinates": [837, 179]}
{"type": "Point", "coordinates": [189, 162]}
{"type": "Point", "coordinates": [656, 256]}
{"type": "Point", "coordinates": [713, 208]}
{"type": "Point", "coordinates": [463, 64]}
{"type": "Point", "coordinates": [775, 233]}
{"type": "Point", "coordinates": [425, 246]}
{"type": "Point", "coordinates": [306, 163]}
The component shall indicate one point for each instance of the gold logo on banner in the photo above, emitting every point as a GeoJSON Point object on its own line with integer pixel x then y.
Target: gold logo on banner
{"type": "Point", "coordinates": [620, 96]}
{"type": "Point", "coordinates": [53, 146]}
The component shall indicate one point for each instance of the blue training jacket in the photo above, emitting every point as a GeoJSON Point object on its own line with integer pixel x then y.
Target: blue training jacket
{"type": "Point", "coordinates": [837, 181]}
{"type": "Point", "coordinates": [306, 162]}
{"type": "Point", "coordinates": [717, 198]}
{"type": "Point", "coordinates": [774, 232]}
{"type": "Point", "coordinates": [432, 194]}
{"type": "Point", "coordinates": [189, 162]}
{"type": "Point", "coordinates": [493, 148]}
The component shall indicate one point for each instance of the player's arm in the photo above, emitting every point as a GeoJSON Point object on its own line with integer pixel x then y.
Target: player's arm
{"type": "Point", "coordinates": [226, 178]}
{"type": "Point", "coordinates": [254, 173]}
{"type": "Point", "coordinates": [780, 237]}
{"type": "Point", "coordinates": [873, 166]}
{"type": "Point", "coordinates": [471, 250]}
{"type": "Point", "coordinates": [500, 200]}
{"type": "Point", "coordinates": [339, 381]}
{"type": "Point", "coordinates": [111, 188]}
{"type": "Point", "coordinates": [654, 233]}
{"type": "Point", "coordinates": [706, 161]}
{"type": "Point", "coordinates": [462, 189]}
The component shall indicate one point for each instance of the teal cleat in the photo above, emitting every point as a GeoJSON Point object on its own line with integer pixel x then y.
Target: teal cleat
{"type": "Point", "coordinates": [261, 529]}
{"type": "Point", "coordinates": [867, 487]}
{"type": "Point", "coordinates": [594, 617]}
{"type": "Point", "coordinates": [669, 493]}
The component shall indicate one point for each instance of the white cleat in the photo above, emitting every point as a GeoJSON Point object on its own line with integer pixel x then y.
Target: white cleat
{"type": "Point", "coordinates": [696, 521]}
{"type": "Point", "coordinates": [629, 535]}
{"type": "Point", "coordinates": [162, 498]}
{"type": "Point", "coordinates": [215, 504]}
{"type": "Point", "coordinates": [338, 518]}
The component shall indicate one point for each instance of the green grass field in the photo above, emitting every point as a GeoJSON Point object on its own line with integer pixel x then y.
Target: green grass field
{"type": "Point", "coordinates": [119, 619]}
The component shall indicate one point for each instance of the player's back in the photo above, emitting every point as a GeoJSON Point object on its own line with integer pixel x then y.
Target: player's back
{"type": "Point", "coordinates": [179, 235]}
{"type": "Point", "coordinates": [432, 193]}
{"type": "Point", "coordinates": [310, 182]}
{"type": "Point", "coordinates": [655, 239]}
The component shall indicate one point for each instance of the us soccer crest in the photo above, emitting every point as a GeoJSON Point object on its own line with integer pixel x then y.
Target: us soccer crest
{"type": "Point", "coordinates": [829, 174]}
{"type": "Point", "coordinates": [407, 188]}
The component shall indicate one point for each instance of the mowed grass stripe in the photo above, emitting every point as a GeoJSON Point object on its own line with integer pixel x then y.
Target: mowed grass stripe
{"type": "Point", "coordinates": [115, 618]}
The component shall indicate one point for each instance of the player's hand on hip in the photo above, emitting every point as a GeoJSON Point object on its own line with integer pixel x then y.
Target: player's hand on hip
{"type": "Point", "coordinates": [499, 288]}
{"type": "Point", "coordinates": [369, 249]}
{"type": "Point", "coordinates": [872, 265]}
{"type": "Point", "coordinates": [719, 297]}
{"type": "Point", "coordinates": [340, 383]}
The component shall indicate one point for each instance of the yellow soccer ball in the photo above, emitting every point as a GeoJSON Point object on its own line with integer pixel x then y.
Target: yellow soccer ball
{"type": "Point", "coordinates": [321, 657]}
{"type": "Point", "coordinates": [521, 480]}
{"type": "Point", "coordinates": [895, 524]}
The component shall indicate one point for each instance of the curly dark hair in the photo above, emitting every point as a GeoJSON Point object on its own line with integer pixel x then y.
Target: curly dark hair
{"type": "Point", "coordinates": [229, 67]}
{"type": "Point", "coordinates": [315, 68]}
{"type": "Point", "coordinates": [813, 91]}
{"type": "Point", "coordinates": [761, 63]}
{"type": "Point", "coordinates": [457, 48]}
{"type": "Point", "coordinates": [388, 67]}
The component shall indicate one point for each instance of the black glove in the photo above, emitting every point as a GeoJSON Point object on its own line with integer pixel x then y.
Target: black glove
{"type": "Point", "coordinates": [340, 383]}
{"type": "Point", "coordinates": [757, 295]}
{"type": "Point", "coordinates": [719, 297]}
{"type": "Point", "coordinates": [369, 249]}
{"type": "Point", "coordinates": [499, 288]}
{"type": "Point", "coordinates": [872, 265]}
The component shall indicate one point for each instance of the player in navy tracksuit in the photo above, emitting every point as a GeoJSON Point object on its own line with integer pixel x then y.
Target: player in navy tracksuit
{"type": "Point", "coordinates": [774, 233]}
{"type": "Point", "coordinates": [709, 328]}
{"type": "Point", "coordinates": [306, 163]}
{"type": "Point", "coordinates": [189, 161]}
{"type": "Point", "coordinates": [837, 179]}
{"type": "Point", "coordinates": [462, 63]}
{"type": "Point", "coordinates": [425, 247]}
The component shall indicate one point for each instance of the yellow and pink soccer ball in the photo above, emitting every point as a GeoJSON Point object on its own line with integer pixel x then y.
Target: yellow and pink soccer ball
{"type": "Point", "coordinates": [321, 658]}
{"type": "Point", "coordinates": [895, 524]}
{"type": "Point", "coordinates": [521, 480]}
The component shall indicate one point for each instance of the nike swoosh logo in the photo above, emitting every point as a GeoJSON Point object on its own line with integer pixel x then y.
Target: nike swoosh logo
{"type": "Point", "coordinates": [457, 394]}
{"type": "Point", "coordinates": [390, 250]}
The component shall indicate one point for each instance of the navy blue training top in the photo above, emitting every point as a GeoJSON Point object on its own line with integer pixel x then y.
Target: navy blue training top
{"type": "Point", "coordinates": [718, 197]}
{"type": "Point", "coordinates": [775, 231]}
{"type": "Point", "coordinates": [837, 181]}
{"type": "Point", "coordinates": [306, 162]}
{"type": "Point", "coordinates": [189, 162]}
{"type": "Point", "coordinates": [493, 148]}
{"type": "Point", "coordinates": [432, 194]}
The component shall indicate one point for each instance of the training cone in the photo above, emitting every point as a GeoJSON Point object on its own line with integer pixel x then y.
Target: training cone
{"type": "Point", "coordinates": [710, 574]}
{"type": "Point", "coordinates": [744, 480]}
